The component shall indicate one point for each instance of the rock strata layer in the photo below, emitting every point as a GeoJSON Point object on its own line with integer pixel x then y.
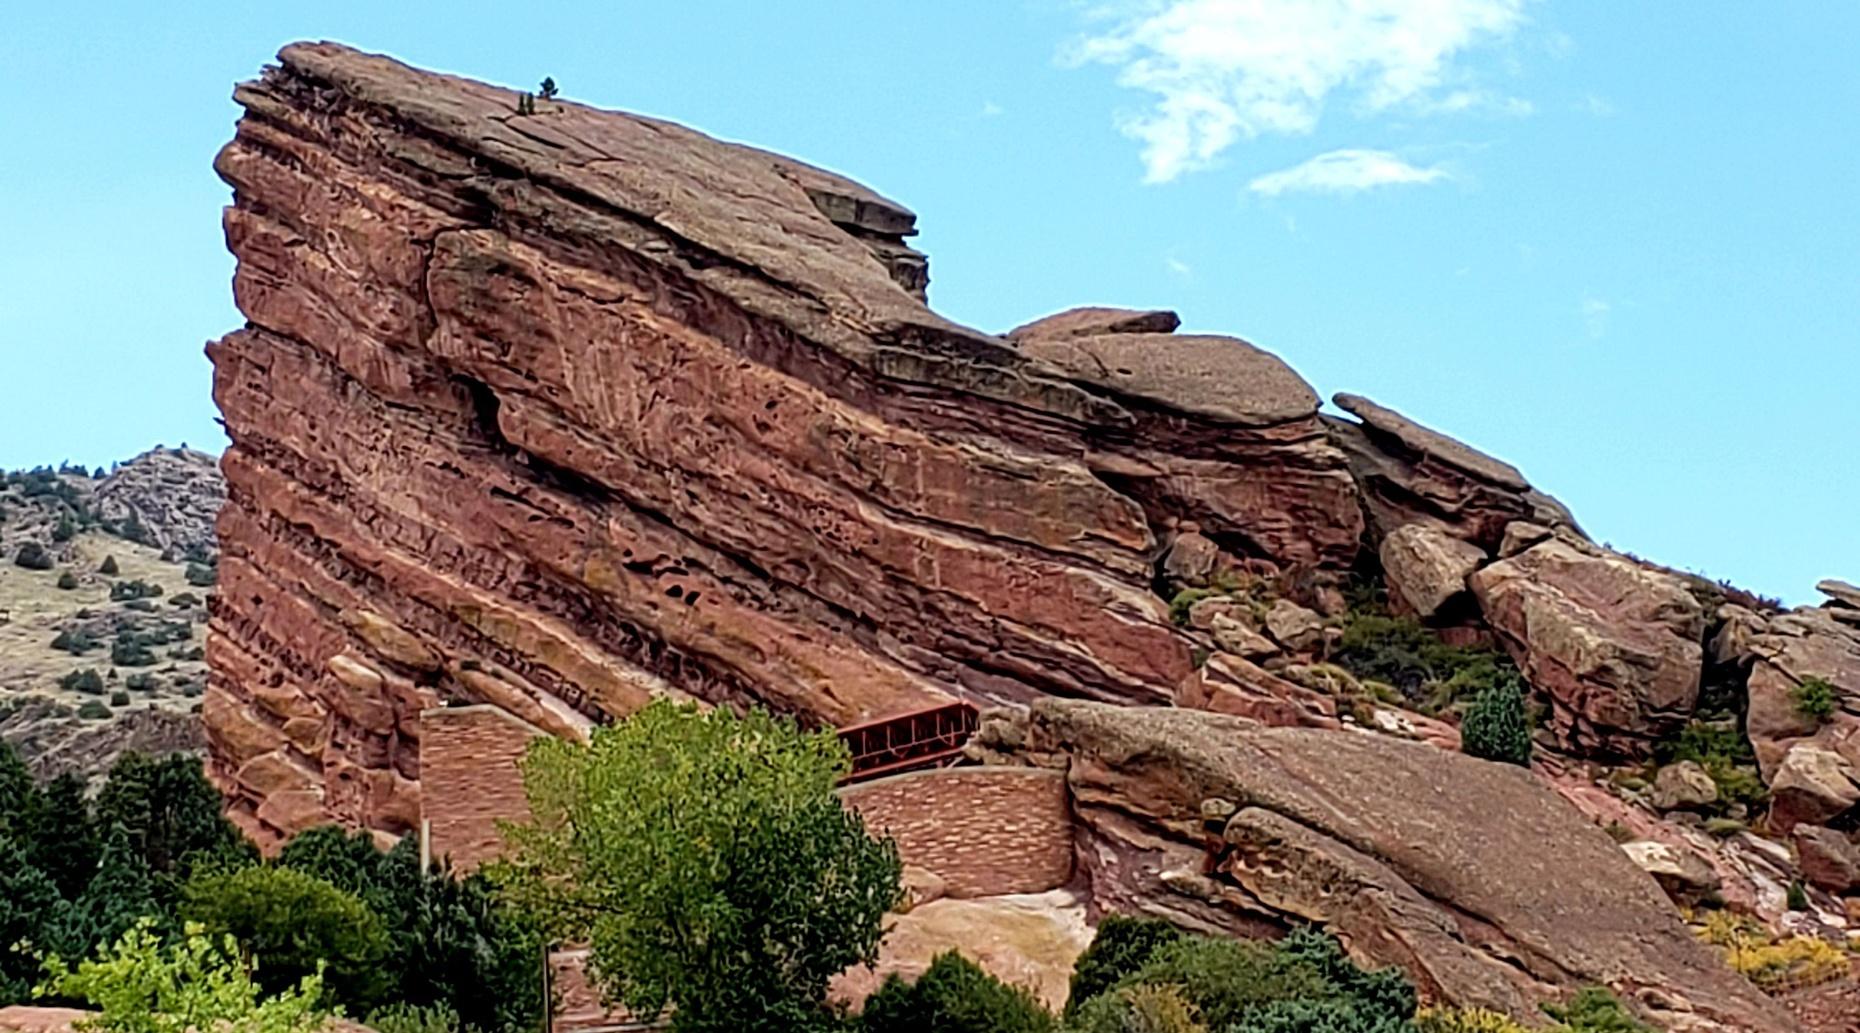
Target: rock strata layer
{"type": "Point", "coordinates": [569, 410]}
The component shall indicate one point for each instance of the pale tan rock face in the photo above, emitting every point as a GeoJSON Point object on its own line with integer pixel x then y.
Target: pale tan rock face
{"type": "Point", "coordinates": [1812, 763]}
{"type": "Point", "coordinates": [1426, 567]}
{"type": "Point", "coordinates": [1485, 887]}
{"type": "Point", "coordinates": [1615, 645]}
{"type": "Point", "coordinates": [572, 410]}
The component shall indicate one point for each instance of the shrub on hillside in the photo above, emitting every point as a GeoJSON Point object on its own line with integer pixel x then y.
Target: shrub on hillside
{"type": "Point", "coordinates": [119, 698]}
{"type": "Point", "coordinates": [66, 528]}
{"type": "Point", "coordinates": [1144, 1008]}
{"type": "Point", "coordinates": [1595, 1010]}
{"type": "Point", "coordinates": [1726, 755]}
{"type": "Point", "coordinates": [1814, 699]}
{"type": "Point", "coordinates": [93, 710]}
{"type": "Point", "coordinates": [1495, 726]}
{"type": "Point", "coordinates": [953, 995]}
{"type": "Point", "coordinates": [1465, 1020]}
{"type": "Point", "coordinates": [201, 576]}
{"type": "Point", "coordinates": [108, 568]}
{"type": "Point", "coordinates": [1401, 652]}
{"type": "Point", "coordinates": [87, 681]}
{"type": "Point", "coordinates": [67, 581]}
{"type": "Point", "coordinates": [127, 652]}
{"type": "Point", "coordinates": [75, 641]}
{"type": "Point", "coordinates": [1122, 945]}
{"type": "Point", "coordinates": [33, 556]}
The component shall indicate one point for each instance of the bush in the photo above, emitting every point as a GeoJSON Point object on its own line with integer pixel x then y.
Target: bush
{"type": "Point", "coordinates": [1495, 727]}
{"type": "Point", "coordinates": [67, 581]}
{"type": "Point", "coordinates": [1143, 1008]}
{"type": "Point", "coordinates": [1121, 946]}
{"type": "Point", "coordinates": [130, 590]}
{"type": "Point", "coordinates": [141, 986]}
{"type": "Point", "coordinates": [184, 600]}
{"type": "Point", "coordinates": [108, 568]}
{"type": "Point", "coordinates": [75, 641]}
{"type": "Point", "coordinates": [32, 556]}
{"type": "Point", "coordinates": [1401, 652]}
{"type": "Point", "coordinates": [1725, 754]}
{"type": "Point", "coordinates": [1595, 1010]}
{"type": "Point", "coordinates": [1465, 1020]}
{"type": "Point", "coordinates": [87, 681]}
{"type": "Point", "coordinates": [127, 652]}
{"type": "Point", "coordinates": [65, 529]}
{"type": "Point", "coordinates": [1775, 965]}
{"type": "Point", "coordinates": [1303, 982]}
{"type": "Point", "coordinates": [119, 698]}
{"type": "Point", "coordinates": [293, 926]}
{"type": "Point", "coordinates": [201, 576]}
{"type": "Point", "coordinates": [1814, 699]}
{"type": "Point", "coordinates": [706, 860]}
{"type": "Point", "coordinates": [953, 995]}
{"type": "Point", "coordinates": [93, 710]}
{"type": "Point", "coordinates": [407, 1018]}
{"type": "Point", "coordinates": [141, 681]}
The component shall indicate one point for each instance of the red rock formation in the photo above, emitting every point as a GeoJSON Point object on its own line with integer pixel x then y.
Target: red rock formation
{"type": "Point", "coordinates": [564, 411]}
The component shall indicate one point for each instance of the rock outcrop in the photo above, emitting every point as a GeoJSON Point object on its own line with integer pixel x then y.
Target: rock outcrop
{"type": "Point", "coordinates": [1615, 645]}
{"type": "Point", "coordinates": [169, 496]}
{"type": "Point", "coordinates": [1411, 473]}
{"type": "Point", "coordinates": [1811, 761]}
{"type": "Point", "coordinates": [1482, 885]}
{"type": "Point", "coordinates": [573, 409]}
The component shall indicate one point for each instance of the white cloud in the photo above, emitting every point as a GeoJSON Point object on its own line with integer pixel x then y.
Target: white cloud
{"type": "Point", "coordinates": [1344, 172]}
{"type": "Point", "coordinates": [1177, 266]}
{"type": "Point", "coordinates": [992, 110]}
{"type": "Point", "coordinates": [1595, 317]}
{"type": "Point", "coordinates": [1227, 70]}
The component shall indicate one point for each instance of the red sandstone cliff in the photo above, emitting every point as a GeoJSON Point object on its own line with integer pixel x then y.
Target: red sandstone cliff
{"type": "Point", "coordinates": [563, 411]}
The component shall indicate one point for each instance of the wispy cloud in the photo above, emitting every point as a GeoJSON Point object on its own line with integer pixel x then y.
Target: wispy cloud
{"type": "Point", "coordinates": [1177, 266]}
{"type": "Point", "coordinates": [1221, 71]}
{"type": "Point", "coordinates": [1595, 317]}
{"type": "Point", "coordinates": [992, 110]}
{"type": "Point", "coordinates": [1344, 172]}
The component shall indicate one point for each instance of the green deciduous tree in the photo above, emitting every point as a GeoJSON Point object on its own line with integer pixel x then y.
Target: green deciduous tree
{"type": "Point", "coordinates": [140, 985]}
{"type": "Point", "coordinates": [953, 995]}
{"type": "Point", "coordinates": [294, 925]}
{"type": "Point", "coordinates": [708, 863]}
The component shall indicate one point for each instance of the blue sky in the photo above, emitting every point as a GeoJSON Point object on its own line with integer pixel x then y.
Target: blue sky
{"type": "Point", "coordinates": [1615, 244]}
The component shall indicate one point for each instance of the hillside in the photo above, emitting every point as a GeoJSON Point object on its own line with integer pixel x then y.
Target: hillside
{"type": "Point", "coordinates": [104, 582]}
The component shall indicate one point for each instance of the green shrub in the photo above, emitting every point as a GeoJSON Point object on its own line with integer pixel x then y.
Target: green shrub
{"type": "Point", "coordinates": [75, 641]}
{"type": "Point", "coordinates": [119, 698]}
{"type": "Point", "coordinates": [1122, 945]}
{"type": "Point", "coordinates": [67, 581]}
{"type": "Point", "coordinates": [953, 995]}
{"type": "Point", "coordinates": [127, 652]}
{"type": "Point", "coordinates": [87, 681]}
{"type": "Point", "coordinates": [1595, 1010]}
{"type": "Point", "coordinates": [65, 529]}
{"type": "Point", "coordinates": [294, 925]}
{"type": "Point", "coordinates": [1465, 1020]}
{"type": "Point", "coordinates": [184, 600]}
{"type": "Point", "coordinates": [131, 590]}
{"type": "Point", "coordinates": [1797, 897]}
{"type": "Point", "coordinates": [1401, 652]}
{"type": "Point", "coordinates": [201, 576]}
{"type": "Point", "coordinates": [1725, 754]}
{"type": "Point", "coordinates": [1303, 982]}
{"type": "Point", "coordinates": [108, 568]}
{"type": "Point", "coordinates": [93, 710]}
{"type": "Point", "coordinates": [1143, 1008]}
{"type": "Point", "coordinates": [1814, 699]}
{"type": "Point", "coordinates": [32, 556]}
{"type": "Point", "coordinates": [141, 681]}
{"type": "Point", "coordinates": [1495, 727]}
{"type": "Point", "coordinates": [407, 1018]}
{"type": "Point", "coordinates": [141, 985]}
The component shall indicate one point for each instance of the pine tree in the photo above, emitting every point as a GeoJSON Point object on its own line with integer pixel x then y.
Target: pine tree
{"type": "Point", "coordinates": [171, 814]}
{"type": "Point", "coordinates": [29, 906]}
{"type": "Point", "coordinates": [109, 568]}
{"type": "Point", "coordinates": [121, 893]}
{"type": "Point", "coordinates": [64, 842]}
{"type": "Point", "coordinates": [1495, 726]}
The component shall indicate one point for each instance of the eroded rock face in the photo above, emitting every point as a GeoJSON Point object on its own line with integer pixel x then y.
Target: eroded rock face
{"type": "Point", "coordinates": [1811, 762]}
{"type": "Point", "coordinates": [1426, 567]}
{"type": "Point", "coordinates": [1614, 644]}
{"type": "Point", "coordinates": [172, 494]}
{"type": "Point", "coordinates": [570, 410]}
{"type": "Point", "coordinates": [1485, 887]}
{"type": "Point", "coordinates": [1411, 473]}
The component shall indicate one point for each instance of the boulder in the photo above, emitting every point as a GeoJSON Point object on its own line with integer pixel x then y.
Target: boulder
{"type": "Point", "coordinates": [1191, 560]}
{"type": "Point", "coordinates": [1237, 637]}
{"type": "Point", "coordinates": [1483, 886]}
{"type": "Point", "coordinates": [1426, 567]}
{"type": "Point", "coordinates": [1828, 859]}
{"type": "Point", "coordinates": [1292, 626]}
{"type": "Point", "coordinates": [1683, 785]}
{"type": "Point", "coordinates": [1613, 643]}
{"type": "Point", "coordinates": [1843, 594]}
{"type": "Point", "coordinates": [1685, 876]}
{"type": "Point", "coordinates": [1812, 785]}
{"type": "Point", "coordinates": [1410, 473]}
{"type": "Point", "coordinates": [1091, 321]}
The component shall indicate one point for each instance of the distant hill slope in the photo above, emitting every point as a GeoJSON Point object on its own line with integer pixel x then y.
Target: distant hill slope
{"type": "Point", "coordinates": [103, 589]}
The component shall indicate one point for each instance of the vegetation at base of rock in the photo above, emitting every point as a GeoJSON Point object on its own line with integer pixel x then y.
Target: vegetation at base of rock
{"type": "Point", "coordinates": [953, 995]}
{"type": "Point", "coordinates": [93, 710]}
{"type": "Point", "coordinates": [1814, 699]}
{"type": "Point", "coordinates": [87, 681]}
{"type": "Point", "coordinates": [1122, 945]}
{"type": "Point", "coordinates": [706, 861]}
{"type": "Point", "coordinates": [1495, 726]}
{"type": "Point", "coordinates": [109, 568]}
{"type": "Point", "coordinates": [1465, 1020]}
{"type": "Point", "coordinates": [1406, 655]}
{"type": "Point", "coordinates": [1303, 982]}
{"type": "Point", "coordinates": [67, 581]}
{"type": "Point", "coordinates": [1774, 964]}
{"type": "Point", "coordinates": [153, 850]}
{"type": "Point", "coordinates": [407, 1018]}
{"type": "Point", "coordinates": [1721, 748]}
{"type": "Point", "coordinates": [146, 983]}
{"type": "Point", "coordinates": [1141, 1009]}
{"type": "Point", "coordinates": [200, 575]}
{"type": "Point", "coordinates": [1595, 1010]}
{"type": "Point", "coordinates": [136, 589]}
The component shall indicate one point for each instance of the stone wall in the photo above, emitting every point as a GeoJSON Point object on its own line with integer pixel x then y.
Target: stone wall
{"type": "Point", "coordinates": [471, 780]}
{"type": "Point", "coordinates": [985, 831]}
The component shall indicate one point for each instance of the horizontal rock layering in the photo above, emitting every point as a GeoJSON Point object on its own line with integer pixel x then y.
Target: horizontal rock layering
{"type": "Point", "coordinates": [568, 410]}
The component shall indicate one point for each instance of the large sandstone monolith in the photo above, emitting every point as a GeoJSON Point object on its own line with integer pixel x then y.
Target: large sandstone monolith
{"type": "Point", "coordinates": [564, 411]}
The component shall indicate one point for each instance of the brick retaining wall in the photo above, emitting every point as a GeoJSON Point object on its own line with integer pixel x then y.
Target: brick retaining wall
{"type": "Point", "coordinates": [469, 780]}
{"type": "Point", "coordinates": [985, 831]}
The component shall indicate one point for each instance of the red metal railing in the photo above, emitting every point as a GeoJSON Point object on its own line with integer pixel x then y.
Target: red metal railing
{"type": "Point", "coordinates": [930, 738]}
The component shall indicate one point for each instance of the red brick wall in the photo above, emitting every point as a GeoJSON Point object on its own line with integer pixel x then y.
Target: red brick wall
{"type": "Point", "coordinates": [469, 780]}
{"type": "Point", "coordinates": [983, 830]}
